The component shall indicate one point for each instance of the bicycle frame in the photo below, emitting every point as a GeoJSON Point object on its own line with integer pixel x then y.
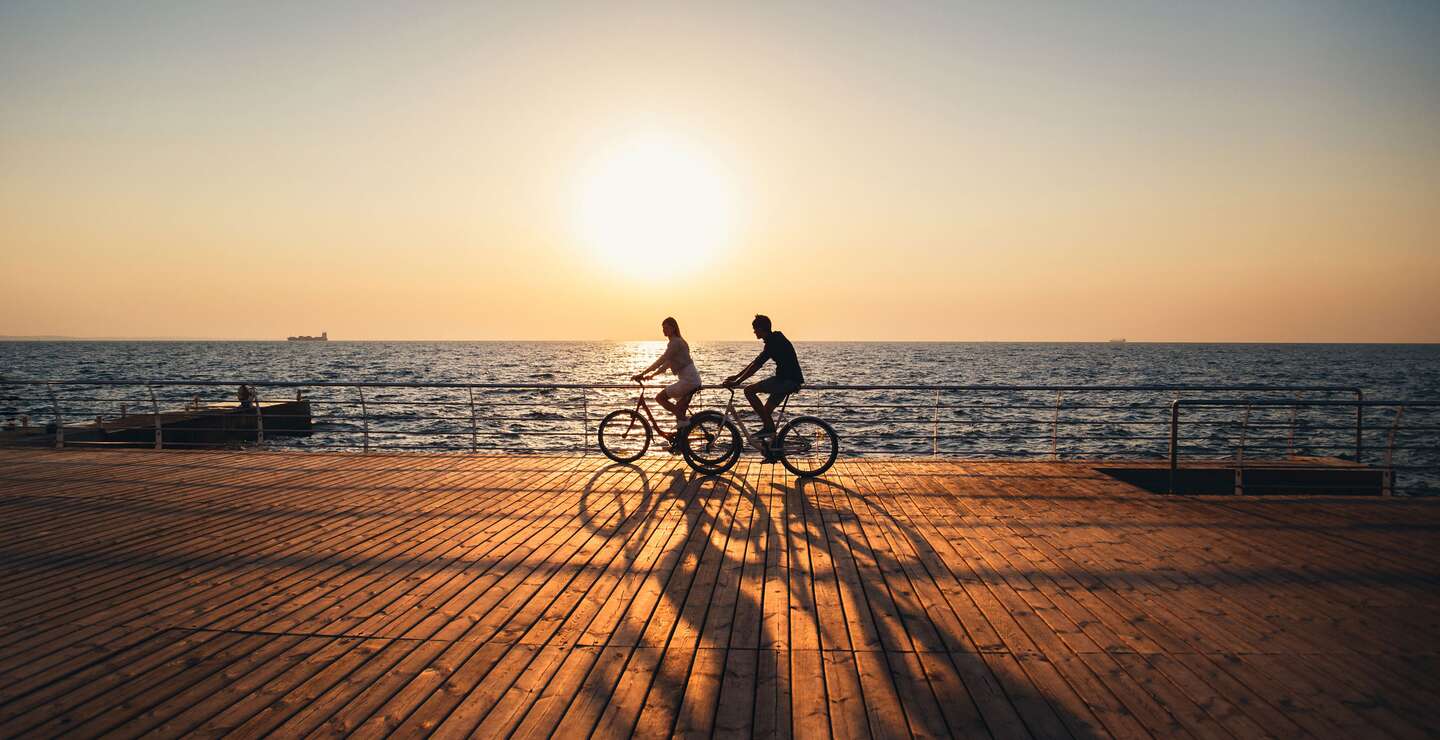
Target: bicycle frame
{"type": "Point", "coordinates": [641, 405]}
{"type": "Point", "coordinates": [733, 415]}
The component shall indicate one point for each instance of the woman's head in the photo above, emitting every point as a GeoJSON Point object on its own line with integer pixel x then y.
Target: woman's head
{"type": "Point", "coordinates": [670, 327]}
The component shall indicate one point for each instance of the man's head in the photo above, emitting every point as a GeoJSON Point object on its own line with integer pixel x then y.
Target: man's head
{"type": "Point", "coordinates": [670, 327]}
{"type": "Point", "coordinates": [761, 325]}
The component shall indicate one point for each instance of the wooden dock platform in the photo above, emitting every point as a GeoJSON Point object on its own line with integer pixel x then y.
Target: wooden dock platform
{"type": "Point", "coordinates": [179, 593]}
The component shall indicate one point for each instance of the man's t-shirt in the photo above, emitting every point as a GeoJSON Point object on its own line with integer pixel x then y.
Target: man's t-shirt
{"type": "Point", "coordinates": [779, 349]}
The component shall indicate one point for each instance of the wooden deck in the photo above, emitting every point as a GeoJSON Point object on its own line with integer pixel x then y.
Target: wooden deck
{"type": "Point", "coordinates": [176, 593]}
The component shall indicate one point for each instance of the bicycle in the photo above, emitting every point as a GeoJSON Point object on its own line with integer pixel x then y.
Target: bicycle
{"type": "Point", "coordinates": [806, 445]}
{"type": "Point", "coordinates": [621, 441]}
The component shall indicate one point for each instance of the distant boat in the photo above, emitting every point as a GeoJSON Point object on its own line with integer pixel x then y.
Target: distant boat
{"type": "Point", "coordinates": [1118, 341]}
{"type": "Point", "coordinates": [324, 337]}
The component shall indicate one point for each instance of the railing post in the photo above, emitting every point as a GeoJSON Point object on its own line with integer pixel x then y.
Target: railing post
{"type": "Point", "coordinates": [474, 430]}
{"type": "Point", "coordinates": [584, 421]}
{"type": "Point", "coordinates": [935, 429]}
{"type": "Point", "coordinates": [1294, 417]}
{"type": "Point", "coordinates": [1055, 430]}
{"type": "Point", "coordinates": [1359, 423]}
{"type": "Point", "coordinates": [155, 415]}
{"type": "Point", "coordinates": [1244, 432]}
{"type": "Point", "coordinates": [1174, 441]}
{"type": "Point", "coordinates": [59, 420]}
{"type": "Point", "coordinates": [364, 419]}
{"type": "Point", "coordinates": [1240, 451]}
{"type": "Point", "coordinates": [1389, 485]}
{"type": "Point", "coordinates": [259, 420]}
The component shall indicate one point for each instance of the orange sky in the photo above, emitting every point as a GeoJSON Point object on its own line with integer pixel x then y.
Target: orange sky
{"type": "Point", "coordinates": [1041, 171]}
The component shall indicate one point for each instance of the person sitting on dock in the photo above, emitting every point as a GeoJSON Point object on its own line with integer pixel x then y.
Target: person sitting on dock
{"type": "Point", "coordinates": [787, 378]}
{"type": "Point", "coordinates": [247, 397]}
{"type": "Point", "coordinates": [676, 358]}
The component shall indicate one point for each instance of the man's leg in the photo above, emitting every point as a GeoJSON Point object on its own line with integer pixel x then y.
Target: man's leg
{"type": "Point", "coordinates": [762, 410]}
{"type": "Point", "coordinates": [770, 404]}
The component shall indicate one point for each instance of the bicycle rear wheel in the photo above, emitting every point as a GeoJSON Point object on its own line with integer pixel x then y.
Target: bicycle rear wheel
{"type": "Point", "coordinates": [624, 436]}
{"type": "Point", "coordinates": [807, 446]}
{"type": "Point", "coordinates": [711, 443]}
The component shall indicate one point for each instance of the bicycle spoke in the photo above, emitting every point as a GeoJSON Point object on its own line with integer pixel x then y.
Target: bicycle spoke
{"type": "Point", "coordinates": [709, 443]}
{"type": "Point", "coordinates": [808, 446]}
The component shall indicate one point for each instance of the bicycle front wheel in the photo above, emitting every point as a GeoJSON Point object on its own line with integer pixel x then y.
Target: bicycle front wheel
{"type": "Point", "coordinates": [624, 436]}
{"type": "Point", "coordinates": [711, 443]}
{"type": "Point", "coordinates": [807, 446]}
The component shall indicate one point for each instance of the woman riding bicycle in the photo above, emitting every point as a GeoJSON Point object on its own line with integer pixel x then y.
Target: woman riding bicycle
{"type": "Point", "coordinates": [676, 358]}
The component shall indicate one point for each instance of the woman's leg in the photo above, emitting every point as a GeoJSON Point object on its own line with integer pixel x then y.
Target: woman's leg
{"type": "Point", "coordinates": [663, 397]}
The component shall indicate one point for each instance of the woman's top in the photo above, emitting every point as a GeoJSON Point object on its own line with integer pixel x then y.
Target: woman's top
{"type": "Point", "coordinates": [677, 358]}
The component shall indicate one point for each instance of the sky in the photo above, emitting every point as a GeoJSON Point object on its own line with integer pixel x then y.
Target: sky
{"type": "Point", "coordinates": [1076, 170]}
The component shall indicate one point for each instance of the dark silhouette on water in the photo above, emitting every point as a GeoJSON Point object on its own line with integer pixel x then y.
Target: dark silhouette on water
{"type": "Point", "coordinates": [246, 395]}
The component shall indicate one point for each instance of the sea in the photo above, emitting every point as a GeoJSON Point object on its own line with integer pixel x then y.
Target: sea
{"type": "Point", "coordinates": [974, 423]}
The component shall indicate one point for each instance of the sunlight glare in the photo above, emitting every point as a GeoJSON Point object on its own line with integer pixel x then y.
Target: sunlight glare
{"type": "Point", "coordinates": [654, 203]}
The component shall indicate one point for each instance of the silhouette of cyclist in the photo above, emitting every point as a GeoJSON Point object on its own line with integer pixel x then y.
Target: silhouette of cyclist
{"type": "Point", "coordinates": [787, 378]}
{"type": "Point", "coordinates": [676, 396]}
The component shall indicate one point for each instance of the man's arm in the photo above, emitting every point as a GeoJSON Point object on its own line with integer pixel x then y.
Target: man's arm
{"type": "Point", "coordinates": [750, 369]}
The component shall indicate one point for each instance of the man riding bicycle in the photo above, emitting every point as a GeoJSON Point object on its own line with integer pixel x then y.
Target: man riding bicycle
{"type": "Point", "coordinates": [787, 378]}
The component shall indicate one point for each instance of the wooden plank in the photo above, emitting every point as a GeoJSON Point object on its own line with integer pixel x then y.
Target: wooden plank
{"type": "Point", "coordinates": [991, 695]}
{"type": "Point", "coordinates": [153, 677]}
{"type": "Point", "coordinates": [313, 713]}
{"type": "Point", "coordinates": [41, 567]}
{"type": "Point", "coordinates": [810, 718]}
{"type": "Point", "coordinates": [772, 713]}
{"type": "Point", "coordinates": [698, 708]}
{"type": "Point", "coordinates": [1045, 713]}
{"type": "Point", "coordinates": [622, 620]}
{"type": "Point", "coordinates": [499, 703]}
{"type": "Point", "coordinates": [737, 694]}
{"type": "Point", "coordinates": [581, 665]}
{"type": "Point", "coordinates": [599, 618]}
{"type": "Point", "coordinates": [672, 683]}
{"type": "Point", "coordinates": [468, 661]}
{"type": "Point", "coordinates": [557, 594]}
{"type": "Point", "coordinates": [137, 598]}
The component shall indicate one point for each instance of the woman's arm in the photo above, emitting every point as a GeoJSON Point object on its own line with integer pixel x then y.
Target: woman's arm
{"type": "Point", "coordinates": [654, 368]}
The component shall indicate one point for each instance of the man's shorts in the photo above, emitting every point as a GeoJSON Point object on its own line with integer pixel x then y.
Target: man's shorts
{"type": "Point", "coordinates": [776, 386]}
{"type": "Point", "coordinates": [681, 388]}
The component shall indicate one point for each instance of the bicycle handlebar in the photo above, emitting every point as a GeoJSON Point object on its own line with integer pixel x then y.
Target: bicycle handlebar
{"type": "Point", "coordinates": [731, 388]}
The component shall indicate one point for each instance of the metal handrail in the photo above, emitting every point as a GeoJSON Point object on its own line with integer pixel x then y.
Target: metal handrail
{"type": "Point", "coordinates": [631, 386]}
{"type": "Point", "coordinates": [969, 414]}
{"type": "Point", "coordinates": [1249, 403]}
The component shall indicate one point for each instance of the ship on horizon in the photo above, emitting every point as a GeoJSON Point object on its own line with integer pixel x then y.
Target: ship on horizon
{"type": "Point", "coordinates": [324, 337]}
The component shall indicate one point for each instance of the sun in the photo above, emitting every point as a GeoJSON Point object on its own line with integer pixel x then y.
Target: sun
{"type": "Point", "coordinates": [654, 202]}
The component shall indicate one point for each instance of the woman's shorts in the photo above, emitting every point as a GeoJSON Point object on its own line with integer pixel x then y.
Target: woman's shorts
{"type": "Point", "coordinates": [682, 387]}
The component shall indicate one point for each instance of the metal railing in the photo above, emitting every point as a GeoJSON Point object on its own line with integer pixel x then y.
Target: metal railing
{"type": "Point", "coordinates": [1418, 442]}
{"type": "Point", "coordinates": [1096, 422]}
{"type": "Point", "coordinates": [909, 418]}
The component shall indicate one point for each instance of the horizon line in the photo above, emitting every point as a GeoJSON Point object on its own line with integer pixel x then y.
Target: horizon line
{"type": "Point", "coordinates": [65, 338]}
